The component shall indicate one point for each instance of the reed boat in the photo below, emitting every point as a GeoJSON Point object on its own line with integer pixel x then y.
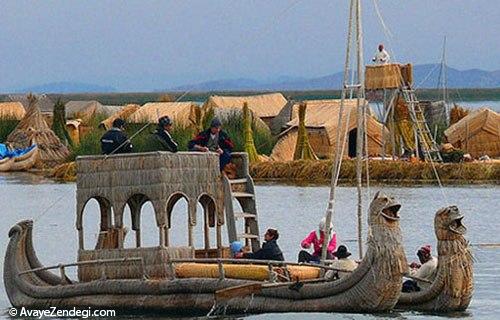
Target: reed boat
{"type": "Point", "coordinates": [452, 288]}
{"type": "Point", "coordinates": [19, 159]}
{"type": "Point", "coordinates": [26, 160]}
{"type": "Point", "coordinates": [155, 278]}
{"type": "Point", "coordinates": [6, 164]}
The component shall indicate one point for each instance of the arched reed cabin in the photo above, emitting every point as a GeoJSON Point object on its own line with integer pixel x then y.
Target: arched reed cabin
{"type": "Point", "coordinates": [163, 179]}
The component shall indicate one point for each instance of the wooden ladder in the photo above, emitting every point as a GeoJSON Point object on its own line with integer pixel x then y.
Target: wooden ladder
{"type": "Point", "coordinates": [429, 147]}
{"type": "Point", "coordinates": [241, 189]}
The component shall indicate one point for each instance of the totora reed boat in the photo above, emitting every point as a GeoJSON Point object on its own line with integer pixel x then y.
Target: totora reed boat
{"type": "Point", "coordinates": [452, 288]}
{"type": "Point", "coordinates": [152, 278]}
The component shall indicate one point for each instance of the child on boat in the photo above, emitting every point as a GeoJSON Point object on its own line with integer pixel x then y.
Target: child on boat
{"type": "Point", "coordinates": [269, 251]}
{"type": "Point", "coordinates": [316, 238]}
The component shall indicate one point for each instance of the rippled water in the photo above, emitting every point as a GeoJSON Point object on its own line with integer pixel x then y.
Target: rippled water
{"type": "Point", "coordinates": [295, 211]}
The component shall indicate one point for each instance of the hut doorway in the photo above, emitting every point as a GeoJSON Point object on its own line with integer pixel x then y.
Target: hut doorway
{"type": "Point", "coordinates": [352, 142]}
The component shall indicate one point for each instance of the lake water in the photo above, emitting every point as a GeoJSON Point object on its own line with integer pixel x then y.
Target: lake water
{"type": "Point", "coordinates": [295, 211]}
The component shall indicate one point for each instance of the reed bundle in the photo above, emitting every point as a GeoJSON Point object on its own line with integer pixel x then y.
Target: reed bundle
{"type": "Point", "coordinates": [383, 171]}
{"type": "Point", "coordinates": [303, 149]}
{"type": "Point", "coordinates": [249, 146]}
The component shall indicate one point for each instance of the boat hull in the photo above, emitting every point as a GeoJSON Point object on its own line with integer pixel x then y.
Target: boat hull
{"type": "Point", "coordinates": [359, 292]}
{"type": "Point", "coordinates": [25, 161]}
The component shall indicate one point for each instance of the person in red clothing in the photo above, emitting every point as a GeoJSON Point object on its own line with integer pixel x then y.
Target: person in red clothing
{"type": "Point", "coordinates": [315, 239]}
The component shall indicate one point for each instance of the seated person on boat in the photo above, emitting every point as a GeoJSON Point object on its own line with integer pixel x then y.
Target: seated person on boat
{"type": "Point", "coordinates": [162, 139]}
{"type": "Point", "coordinates": [115, 140]}
{"type": "Point", "coordinates": [214, 139]}
{"type": "Point", "coordinates": [316, 238]}
{"type": "Point", "coordinates": [269, 251]}
{"type": "Point", "coordinates": [342, 263]}
{"type": "Point", "coordinates": [426, 271]}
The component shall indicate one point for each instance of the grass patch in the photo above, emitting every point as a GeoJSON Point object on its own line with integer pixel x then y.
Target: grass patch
{"type": "Point", "coordinates": [7, 125]}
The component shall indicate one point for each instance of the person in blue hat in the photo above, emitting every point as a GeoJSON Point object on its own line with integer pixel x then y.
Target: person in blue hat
{"type": "Point", "coordinates": [214, 139]}
{"type": "Point", "coordinates": [236, 247]}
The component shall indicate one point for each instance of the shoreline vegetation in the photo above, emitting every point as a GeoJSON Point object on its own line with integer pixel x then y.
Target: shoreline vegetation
{"type": "Point", "coordinates": [115, 98]}
{"type": "Point", "coordinates": [381, 172]}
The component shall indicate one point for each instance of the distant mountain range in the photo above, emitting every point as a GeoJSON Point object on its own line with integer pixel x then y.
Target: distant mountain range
{"type": "Point", "coordinates": [425, 76]}
{"type": "Point", "coordinates": [67, 87]}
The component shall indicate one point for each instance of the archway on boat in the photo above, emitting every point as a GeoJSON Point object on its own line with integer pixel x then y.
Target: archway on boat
{"type": "Point", "coordinates": [96, 219]}
{"type": "Point", "coordinates": [353, 135]}
{"type": "Point", "coordinates": [208, 233]}
{"type": "Point", "coordinates": [178, 231]}
{"type": "Point", "coordinates": [142, 222]}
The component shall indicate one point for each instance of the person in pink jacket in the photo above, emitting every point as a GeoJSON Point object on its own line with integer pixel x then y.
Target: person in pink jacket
{"type": "Point", "coordinates": [315, 239]}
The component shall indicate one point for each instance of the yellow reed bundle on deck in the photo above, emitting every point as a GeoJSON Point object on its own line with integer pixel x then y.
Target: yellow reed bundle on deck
{"type": "Point", "coordinates": [243, 271]}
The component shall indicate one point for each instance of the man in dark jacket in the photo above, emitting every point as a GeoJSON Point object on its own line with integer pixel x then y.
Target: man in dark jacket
{"type": "Point", "coordinates": [115, 140]}
{"type": "Point", "coordinates": [269, 251]}
{"type": "Point", "coordinates": [163, 140]}
{"type": "Point", "coordinates": [214, 139]}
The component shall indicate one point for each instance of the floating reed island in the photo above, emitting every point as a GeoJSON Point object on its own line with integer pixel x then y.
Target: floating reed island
{"type": "Point", "coordinates": [319, 171]}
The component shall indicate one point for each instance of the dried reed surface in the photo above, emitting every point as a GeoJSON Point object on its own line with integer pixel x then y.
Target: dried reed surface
{"type": "Point", "coordinates": [33, 129]}
{"type": "Point", "coordinates": [382, 171]}
{"type": "Point", "coordinates": [64, 172]}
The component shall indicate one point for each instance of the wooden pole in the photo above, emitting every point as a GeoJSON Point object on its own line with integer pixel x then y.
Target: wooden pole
{"type": "Point", "coordinates": [360, 125]}
{"type": "Point", "coordinates": [338, 156]}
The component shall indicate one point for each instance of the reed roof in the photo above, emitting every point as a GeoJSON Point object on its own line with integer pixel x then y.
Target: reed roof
{"type": "Point", "coordinates": [86, 109]}
{"type": "Point", "coordinates": [479, 132]}
{"type": "Point", "coordinates": [12, 110]}
{"type": "Point", "coordinates": [124, 113]}
{"type": "Point", "coordinates": [262, 105]}
{"type": "Point", "coordinates": [44, 103]}
{"type": "Point", "coordinates": [180, 112]}
{"type": "Point", "coordinates": [32, 129]}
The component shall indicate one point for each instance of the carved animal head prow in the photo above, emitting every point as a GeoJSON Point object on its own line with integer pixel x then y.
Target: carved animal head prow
{"type": "Point", "coordinates": [448, 223]}
{"type": "Point", "coordinates": [384, 210]}
{"type": "Point", "coordinates": [20, 226]}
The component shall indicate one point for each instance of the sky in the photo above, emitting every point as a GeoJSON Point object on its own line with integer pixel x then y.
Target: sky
{"type": "Point", "coordinates": [149, 45]}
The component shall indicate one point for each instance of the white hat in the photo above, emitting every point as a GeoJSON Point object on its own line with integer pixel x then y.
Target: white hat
{"type": "Point", "coordinates": [322, 224]}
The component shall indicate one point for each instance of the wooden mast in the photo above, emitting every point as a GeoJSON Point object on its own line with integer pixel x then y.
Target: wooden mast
{"type": "Point", "coordinates": [354, 25]}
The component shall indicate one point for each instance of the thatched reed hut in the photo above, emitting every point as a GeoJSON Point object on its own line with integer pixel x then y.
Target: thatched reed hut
{"type": "Point", "coordinates": [182, 113]}
{"type": "Point", "coordinates": [321, 121]}
{"type": "Point", "coordinates": [264, 106]}
{"type": "Point", "coordinates": [85, 110]}
{"type": "Point", "coordinates": [44, 103]}
{"type": "Point", "coordinates": [124, 113]}
{"type": "Point", "coordinates": [33, 129]}
{"type": "Point", "coordinates": [11, 110]}
{"type": "Point", "coordinates": [478, 133]}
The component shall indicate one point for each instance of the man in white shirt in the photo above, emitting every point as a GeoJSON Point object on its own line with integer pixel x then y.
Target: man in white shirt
{"type": "Point", "coordinates": [381, 57]}
{"type": "Point", "coordinates": [427, 270]}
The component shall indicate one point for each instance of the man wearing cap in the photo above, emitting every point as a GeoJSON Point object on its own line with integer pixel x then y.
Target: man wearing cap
{"type": "Point", "coordinates": [269, 251]}
{"type": "Point", "coordinates": [115, 140]}
{"type": "Point", "coordinates": [343, 262]}
{"type": "Point", "coordinates": [427, 270]}
{"type": "Point", "coordinates": [214, 139]}
{"type": "Point", "coordinates": [381, 57]}
{"type": "Point", "coordinates": [162, 138]}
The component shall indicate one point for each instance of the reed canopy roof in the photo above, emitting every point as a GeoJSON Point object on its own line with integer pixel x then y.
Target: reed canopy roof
{"type": "Point", "coordinates": [478, 133]}
{"type": "Point", "coordinates": [180, 112]}
{"type": "Point", "coordinates": [263, 105]}
{"type": "Point", "coordinates": [123, 113]}
{"type": "Point", "coordinates": [12, 110]}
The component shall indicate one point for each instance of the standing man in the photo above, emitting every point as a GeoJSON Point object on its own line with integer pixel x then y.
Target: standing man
{"type": "Point", "coordinates": [115, 140]}
{"type": "Point", "coordinates": [162, 136]}
{"type": "Point", "coordinates": [214, 139]}
{"type": "Point", "coordinates": [381, 57]}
